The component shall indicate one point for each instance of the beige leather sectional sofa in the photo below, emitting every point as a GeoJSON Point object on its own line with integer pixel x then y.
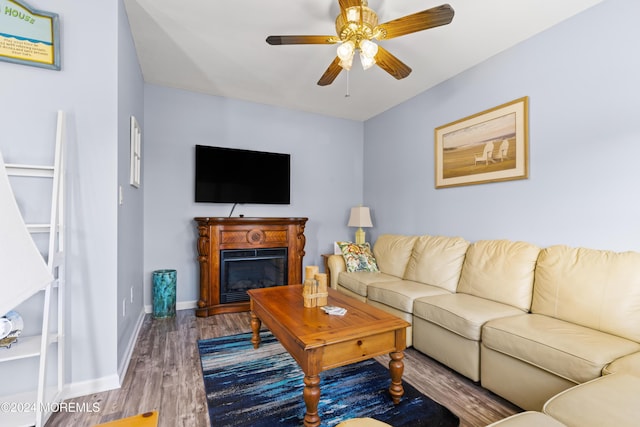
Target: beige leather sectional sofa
{"type": "Point", "coordinates": [526, 322]}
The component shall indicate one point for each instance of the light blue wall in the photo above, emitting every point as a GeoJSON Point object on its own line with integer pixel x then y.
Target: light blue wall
{"type": "Point", "coordinates": [130, 212]}
{"type": "Point", "coordinates": [581, 77]}
{"type": "Point", "coordinates": [326, 174]}
{"type": "Point", "coordinates": [98, 87]}
{"type": "Point", "coordinates": [582, 81]}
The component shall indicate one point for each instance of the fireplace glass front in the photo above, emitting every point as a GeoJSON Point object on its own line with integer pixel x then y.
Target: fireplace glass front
{"type": "Point", "coordinates": [244, 269]}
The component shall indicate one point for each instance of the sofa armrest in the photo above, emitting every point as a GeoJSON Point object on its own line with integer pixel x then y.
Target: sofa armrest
{"type": "Point", "coordinates": [336, 264]}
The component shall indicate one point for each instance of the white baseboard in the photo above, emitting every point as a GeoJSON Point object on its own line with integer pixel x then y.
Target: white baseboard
{"type": "Point", "coordinates": [83, 388]}
{"type": "Point", "coordinates": [114, 381]}
{"type": "Point", "coordinates": [181, 305]}
{"type": "Point", "coordinates": [109, 382]}
{"type": "Point", "coordinates": [122, 369]}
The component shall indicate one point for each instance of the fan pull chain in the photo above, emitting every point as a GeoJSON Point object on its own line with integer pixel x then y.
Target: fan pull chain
{"type": "Point", "coordinates": [346, 95]}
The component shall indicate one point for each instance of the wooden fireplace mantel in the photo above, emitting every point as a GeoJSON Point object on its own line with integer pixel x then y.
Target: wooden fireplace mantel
{"type": "Point", "coordinates": [217, 234]}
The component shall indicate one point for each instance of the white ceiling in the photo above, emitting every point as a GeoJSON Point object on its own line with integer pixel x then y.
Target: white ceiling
{"type": "Point", "coordinates": [218, 47]}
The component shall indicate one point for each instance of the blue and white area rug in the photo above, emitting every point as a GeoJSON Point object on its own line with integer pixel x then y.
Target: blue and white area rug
{"type": "Point", "coordinates": [263, 387]}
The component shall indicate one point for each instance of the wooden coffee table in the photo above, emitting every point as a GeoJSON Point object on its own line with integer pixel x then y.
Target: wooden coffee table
{"type": "Point", "coordinates": [318, 341]}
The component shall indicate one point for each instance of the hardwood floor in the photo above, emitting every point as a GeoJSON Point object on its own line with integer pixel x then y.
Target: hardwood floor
{"type": "Point", "coordinates": [164, 374]}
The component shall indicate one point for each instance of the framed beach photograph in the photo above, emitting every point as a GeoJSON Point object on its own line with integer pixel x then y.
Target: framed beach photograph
{"type": "Point", "coordinates": [489, 146]}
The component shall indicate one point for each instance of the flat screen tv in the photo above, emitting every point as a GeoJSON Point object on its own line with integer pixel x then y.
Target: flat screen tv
{"type": "Point", "coordinates": [231, 175]}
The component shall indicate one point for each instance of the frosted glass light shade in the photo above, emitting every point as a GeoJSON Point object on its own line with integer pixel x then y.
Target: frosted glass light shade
{"type": "Point", "coordinates": [367, 62]}
{"type": "Point", "coordinates": [353, 14]}
{"type": "Point", "coordinates": [346, 63]}
{"type": "Point", "coordinates": [345, 53]}
{"type": "Point", "coordinates": [345, 50]}
{"type": "Point", "coordinates": [369, 48]}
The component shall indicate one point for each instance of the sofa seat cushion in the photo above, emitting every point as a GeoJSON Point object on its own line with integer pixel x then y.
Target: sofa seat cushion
{"type": "Point", "coordinates": [400, 294]}
{"type": "Point", "coordinates": [611, 400]}
{"type": "Point", "coordinates": [362, 422]}
{"type": "Point", "coordinates": [528, 419]}
{"type": "Point", "coordinates": [629, 364]}
{"type": "Point", "coordinates": [462, 314]}
{"type": "Point", "coordinates": [565, 349]}
{"type": "Point", "coordinates": [358, 281]}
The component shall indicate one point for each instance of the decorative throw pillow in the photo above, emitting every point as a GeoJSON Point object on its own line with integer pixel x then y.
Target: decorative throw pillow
{"type": "Point", "coordinates": [358, 257]}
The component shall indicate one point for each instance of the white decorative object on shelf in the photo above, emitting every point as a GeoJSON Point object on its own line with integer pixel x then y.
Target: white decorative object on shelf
{"type": "Point", "coordinates": [25, 272]}
{"type": "Point", "coordinates": [5, 328]}
{"type": "Point", "coordinates": [20, 260]}
{"type": "Point", "coordinates": [14, 323]}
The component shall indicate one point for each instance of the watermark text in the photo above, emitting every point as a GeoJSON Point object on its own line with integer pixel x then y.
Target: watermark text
{"type": "Point", "coordinates": [23, 407]}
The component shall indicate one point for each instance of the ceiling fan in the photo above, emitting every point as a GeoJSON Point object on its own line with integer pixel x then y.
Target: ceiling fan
{"type": "Point", "coordinates": [357, 25]}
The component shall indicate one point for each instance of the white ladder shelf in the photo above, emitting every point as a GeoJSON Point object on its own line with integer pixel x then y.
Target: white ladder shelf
{"type": "Point", "coordinates": [34, 408]}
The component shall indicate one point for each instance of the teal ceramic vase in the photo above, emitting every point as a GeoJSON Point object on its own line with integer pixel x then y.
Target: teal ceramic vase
{"type": "Point", "coordinates": [164, 293]}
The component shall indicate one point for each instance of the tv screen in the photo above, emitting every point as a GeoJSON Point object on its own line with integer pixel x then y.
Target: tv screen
{"type": "Point", "coordinates": [230, 175]}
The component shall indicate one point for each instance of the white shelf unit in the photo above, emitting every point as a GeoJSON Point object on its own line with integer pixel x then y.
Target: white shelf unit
{"type": "Point", "coordinates": [34, 408]}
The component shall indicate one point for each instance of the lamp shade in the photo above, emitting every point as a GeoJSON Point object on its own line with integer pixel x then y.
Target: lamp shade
{"type": "Point", "coordinates": [360, 217]}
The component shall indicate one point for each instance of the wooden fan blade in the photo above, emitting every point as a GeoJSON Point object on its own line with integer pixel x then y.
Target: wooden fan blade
{"type": "Point", "coordinates": [332, 72]}
{"type": "Point", "coordinates": [345, 4]}
{"type": "Point", "coordinates": [391, 64]}
{"type": "Point", "coordinates": [434, 17]}
{"type": "Point", "coordinates": [280, 40]}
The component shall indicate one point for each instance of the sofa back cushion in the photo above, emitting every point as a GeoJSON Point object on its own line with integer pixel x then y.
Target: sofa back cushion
{"type": "Point", "coordinates": [593, 288]}
{"type": "Point", "coordinates": [392, 252]}
{"type": "Point", "coordinates": [437, 261]}
{"type": "Point", "coordinates": [501, 271]}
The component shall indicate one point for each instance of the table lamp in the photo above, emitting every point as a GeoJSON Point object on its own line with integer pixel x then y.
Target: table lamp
{"type": "Point", "coordinates": [360, 217]}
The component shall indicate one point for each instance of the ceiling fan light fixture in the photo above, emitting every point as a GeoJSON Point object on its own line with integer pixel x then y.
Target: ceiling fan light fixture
{"type": "Point", "coordinates": [356, 21]}
{"type": "Point", "coordinates": [345, 50]}
{"type": "Point", "coordinates": [346, 63]}
{"type": "Point", "coordinates": [353, 14]}
{"type": "Point", "coordinates": [366, 61]}
{"type": "Point", "coordinates": [369, 48]}
{"type": "Point", "coordinates": [356, 25]}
